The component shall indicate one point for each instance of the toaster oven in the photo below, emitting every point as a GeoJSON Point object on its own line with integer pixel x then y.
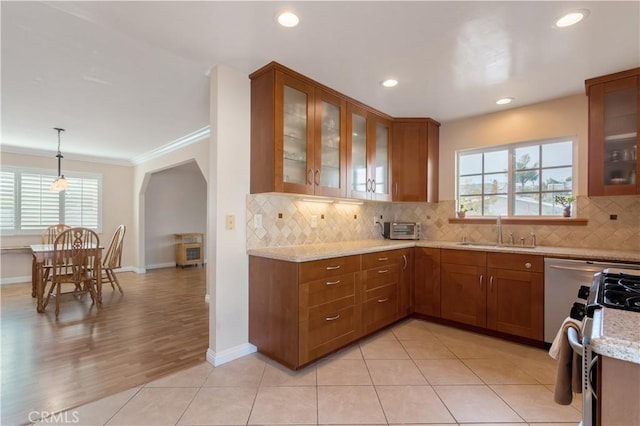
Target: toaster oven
{"type": "Point", "coordinates": [401, 230]}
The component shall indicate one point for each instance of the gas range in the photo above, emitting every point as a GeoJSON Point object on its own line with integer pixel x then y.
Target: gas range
{"type": "Point", "coordinates": [615, 288]}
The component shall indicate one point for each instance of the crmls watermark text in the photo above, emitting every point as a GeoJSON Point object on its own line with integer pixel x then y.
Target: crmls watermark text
{"type": "Point", "coordinates": [48, 417]}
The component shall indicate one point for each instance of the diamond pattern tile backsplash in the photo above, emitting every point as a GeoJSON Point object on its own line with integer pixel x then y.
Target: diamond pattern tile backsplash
{"type": "Point", "coordinates": [287, 220]}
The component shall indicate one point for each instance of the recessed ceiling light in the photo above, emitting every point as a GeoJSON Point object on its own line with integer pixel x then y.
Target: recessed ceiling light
{"type": "Point", "coordinates": [390, 83]}
{"type": "Point", "coordinates": [504, 101]}
{"type": "Point", "coordinates": [572, 18]}
{"type": "Point", "coordinates": [288, 19]}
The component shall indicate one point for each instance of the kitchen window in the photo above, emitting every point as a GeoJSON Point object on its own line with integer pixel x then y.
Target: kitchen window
{"type": "Point", "coordinates": [515, 180]}
{"type": "Point", "coordinates": [27, 206]}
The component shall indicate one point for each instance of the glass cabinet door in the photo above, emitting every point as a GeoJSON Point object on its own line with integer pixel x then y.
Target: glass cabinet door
{"type": "Point", "coordinates": [295, 139]}
{"type": "Point", "coordinates": [359, 182]}
{"type": "Point", "coordinates": [620, 136]}
{"type": "Point", "coordinates": [330, 145]}
{"type": "Point", "coordinates": [381, 173]}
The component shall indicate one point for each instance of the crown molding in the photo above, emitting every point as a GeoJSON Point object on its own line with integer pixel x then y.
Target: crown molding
{"type": "Point", "coordinates": [14, 149]}
{"type": "Point", "coordinates": [186, 140]}
{"type": "Point", "coordinates": [181, 142]}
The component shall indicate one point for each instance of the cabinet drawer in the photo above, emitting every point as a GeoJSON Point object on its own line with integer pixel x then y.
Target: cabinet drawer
{"type": "Point", "coordinates": [378, 277]}
{"type": "Point", "coordinates": [318, 269]}
{"type": "Point", "coordinates": [326, 331]}
{"type": "Point", "coordinates": [326, 290]}
{"type": "Point", "coordinates": [516, 262]}
{"type": "Point", "coordinates": [381, 258]}
{"type": "Point", "coordinates": [464, 257]}
{"type": "Point", "coordinates": [381, 307]}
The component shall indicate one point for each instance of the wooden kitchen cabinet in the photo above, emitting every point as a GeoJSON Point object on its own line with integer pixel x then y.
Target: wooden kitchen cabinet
{"type": "Point", "coordinates": [189, 249]}
{"type": "Point", "coordinates": [414, 165]}
{"type": "Point", "coordinates": [614, 119]}
{"type": "Point", "coordinates": [463, 286]}
{"type": "Point", "coordinates": [406, 283]}
{"type": "Point", "coordinates": [297, 135]}
{"type": "Point", "coordinates": [381, 276]}
{"type": "Point", "coordinates": [515, 294]}
{"type": "Point", "coordinates": [299, 312]}
{"type": "Point", "coordinates": [368, 154]}
{"type": "Point", "coordinates": [497, 291]}
{"type": "Point", "coordinates": [427, 281]}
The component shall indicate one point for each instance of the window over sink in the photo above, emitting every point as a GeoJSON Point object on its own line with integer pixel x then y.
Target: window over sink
{"type": "Point", "coordinates": [27, 206]}
{"type": "Point", "coordinates": [520, 179]}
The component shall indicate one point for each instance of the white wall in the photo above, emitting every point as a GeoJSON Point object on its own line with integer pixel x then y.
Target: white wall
{"type": "Point", "coordinates": [227, 270]}
{"type": "Point", "coordinates": [176, 202]}
{"type": "Point", "coordinates": [197, 151]}
{"type": "Point", "coordinates": [560, 117]}
{"type": "Point", "coordinates": [117, 209]}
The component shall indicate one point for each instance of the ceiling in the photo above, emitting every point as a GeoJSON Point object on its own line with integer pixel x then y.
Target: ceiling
{"type": "Point", "coordinates": [125, 78]}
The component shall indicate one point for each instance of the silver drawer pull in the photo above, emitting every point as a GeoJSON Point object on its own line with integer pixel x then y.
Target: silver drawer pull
{"type": "Point", "coordinates": [527, 265]}
{"type": "Point", "coordinates": [330, 268]}
{"type": "Point", "coordinates": [332, 282]}
{"type": "Point", "coordinates": [382, 259]}
{"type": "Point", "coordinates": [383, 271]}
{"type": "Point", "coordinates": [332, 318]}
{"type": "Point", "coordinates": [383, 300]}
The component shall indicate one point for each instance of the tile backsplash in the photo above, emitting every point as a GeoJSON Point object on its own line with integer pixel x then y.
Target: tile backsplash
{"type": "Point", "coordinates": [287, 220]}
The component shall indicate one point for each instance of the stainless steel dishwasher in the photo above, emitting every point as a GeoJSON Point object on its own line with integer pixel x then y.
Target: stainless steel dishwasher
{"type": "Point", "coordinates": [562, 279]}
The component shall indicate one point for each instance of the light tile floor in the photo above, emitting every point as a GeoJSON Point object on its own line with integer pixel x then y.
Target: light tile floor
{"type": "Point", "coordinates": [414, 372]}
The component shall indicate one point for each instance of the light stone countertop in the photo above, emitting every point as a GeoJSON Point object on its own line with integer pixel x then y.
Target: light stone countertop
{"type": "Point", "coordinates": [310, 252]}
{"type": "Point", "coordinates": [620, 330]}
{"type": "Point", "coordinates": [617, 334]}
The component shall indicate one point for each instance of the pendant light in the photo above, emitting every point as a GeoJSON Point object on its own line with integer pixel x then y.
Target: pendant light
{"type": "Point", "coordinates": [60, 184]}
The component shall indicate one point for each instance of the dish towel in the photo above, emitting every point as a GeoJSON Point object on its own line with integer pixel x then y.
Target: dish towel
{"type": "Point", "coordinates": [569, 374]}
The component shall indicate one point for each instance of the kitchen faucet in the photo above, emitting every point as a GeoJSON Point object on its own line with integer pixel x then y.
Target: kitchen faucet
{"type": "Point", "coordinates": [499, 223]}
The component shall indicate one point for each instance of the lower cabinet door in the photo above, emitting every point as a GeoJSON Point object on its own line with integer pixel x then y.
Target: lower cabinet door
{"type": "Point", "coordinates": [329, 327]}
{"type": "Point", "coordinates": [381, 307]}
{"type": "Point", "coordinates": [515, 302]}
{"type": "Point", "coordinates": [463, 294]}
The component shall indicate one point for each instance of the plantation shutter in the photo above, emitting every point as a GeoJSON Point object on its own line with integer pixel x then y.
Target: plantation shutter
{"type": "Point", "coordinates": [39, 206]}
{"type": "Point", "coordinates": [81, 202]}
{"type": "Point", "coordinates": [7, 200]}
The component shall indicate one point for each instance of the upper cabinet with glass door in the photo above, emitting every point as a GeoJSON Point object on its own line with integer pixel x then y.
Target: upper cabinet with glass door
{"type": "Point", "coordinates": [297, 135]}
{"type": "Point", "coordinates": [368, 155]}
{"type": "Point", "coordinates": [614, 119]}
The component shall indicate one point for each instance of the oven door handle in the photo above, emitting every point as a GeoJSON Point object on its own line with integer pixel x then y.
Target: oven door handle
{"type": "Point", "coordinates": [590, 374]}
{"type": "Point", "coordinates": [572, 336]}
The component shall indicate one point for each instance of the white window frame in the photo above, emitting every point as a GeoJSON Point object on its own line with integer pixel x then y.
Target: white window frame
{"type": "Point", "coordinates": [18, 171]}
{"type": "Point", "coordinates": [510, 148]}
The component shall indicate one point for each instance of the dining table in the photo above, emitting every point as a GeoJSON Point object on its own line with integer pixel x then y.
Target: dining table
{"type": "Point", "coordinates": [43, 253]}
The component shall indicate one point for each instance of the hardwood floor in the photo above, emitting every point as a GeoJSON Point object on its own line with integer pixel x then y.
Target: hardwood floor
{"type": "Point", "coordinates": [159, 326]}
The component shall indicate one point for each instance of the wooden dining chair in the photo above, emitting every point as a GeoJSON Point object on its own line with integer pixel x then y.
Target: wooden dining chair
{"type": "Point", "coordinates": [75, 262]}
{"type": "Point", "coordinates": [49, 237]}
{"type": "Point", "coordinates": [113, 257]}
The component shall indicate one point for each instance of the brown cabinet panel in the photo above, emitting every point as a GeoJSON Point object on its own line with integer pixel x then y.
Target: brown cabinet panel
{"type": "Point", "coordinates": [463, 293]}
{"type": "Point", "coordinates": [381, 276]}
{"type": "Point", "coordinates": [415, 160]}
{"type": "Point", "coordinates": [406, 283]}
{"type": "Point", "coordinates": [381, 258]}
{"type": "Point", "coordinates": [326, 268]}
{"type": "Point", "coordinates": [328, 327]}
{"type": "Point", "coordinates": [515, 302]}
{"type": "Point", "coordinates": [614, 121]}
{"type": "Point", "coordinates": [427, 281]}
{"type": "Point", "coordinates": [326, 290]}
{"type": "Point", "coordinates": [517, 262]}
{"type": "Point", "coordinates": [381, 307]}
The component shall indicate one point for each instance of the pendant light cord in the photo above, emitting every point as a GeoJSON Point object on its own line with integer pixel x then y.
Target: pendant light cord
{"type": "Point", "coordinates": [59, 155]}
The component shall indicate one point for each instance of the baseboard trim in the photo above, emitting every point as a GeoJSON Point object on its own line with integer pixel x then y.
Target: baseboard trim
{"type": "Point", "coordinates": [161, 265]}
{"type": "Point", "coordinates": [230, 354]}
{"type": "Point", "coordinates": [16, 280]}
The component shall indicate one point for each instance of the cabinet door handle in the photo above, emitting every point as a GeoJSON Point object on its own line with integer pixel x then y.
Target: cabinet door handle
{"type": "Point", "coordinates": [373, 185]}
{"type": "Point", "coordinates": [331, 268]}
{"type": "Point", "coordinates": [481, 278]}
{"type": "Point", "coordinates": [383, 271]}
{"type": "Point", "coordinates": [382, 259]}
{"type": "Point", "coordinates": [368, 185]}
{"type": "Point", "coordinates": [491, 283]}
{"type": "Point", "coordinates": [309, 177]}
{"type": "Point", "coordinates": [404, 259]}
{"type": "Point", "coordinates": [332, 318]}
{"type": "Point", "coordinates": [383, 300]}
{"type": "Point", "coordinates": [396, 188]}
{"type": "Point", "coordinates": [527, 265]}
{"type": "Point", "coordinates": [317, 178]}
{"type": "Point", "coordinates": [332, 282]}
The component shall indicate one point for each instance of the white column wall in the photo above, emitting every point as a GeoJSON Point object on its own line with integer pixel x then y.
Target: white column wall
{"type": "Point", "coordinates": [229, 160]}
